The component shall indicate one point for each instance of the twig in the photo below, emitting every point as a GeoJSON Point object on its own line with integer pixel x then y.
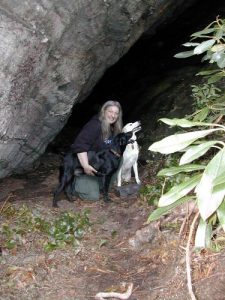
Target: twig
{"type": "Point", "coordinates": [188, 267]}
{"type": "Point", "coordinates": [122, 296]}
{"type": "Point", "coordinates": [188, 214]}
{"type": "Point", "coordinates": [206, 278]}
{"type": "Point", "coordinates": [101, 270]}
{"type": "Point", "coordinates": [5, 203]}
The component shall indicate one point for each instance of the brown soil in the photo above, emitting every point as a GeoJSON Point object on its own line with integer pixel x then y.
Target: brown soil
{"type": "Point", "coordinates": [120, 248]}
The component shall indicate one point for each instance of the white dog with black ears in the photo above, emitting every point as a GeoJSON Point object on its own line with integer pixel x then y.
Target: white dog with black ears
{"type": "Point", "coordinates": [130, 156]}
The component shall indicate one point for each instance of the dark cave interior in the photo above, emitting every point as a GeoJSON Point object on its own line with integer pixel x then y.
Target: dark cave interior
{"type": "Point", "coordinates": [145, 64]}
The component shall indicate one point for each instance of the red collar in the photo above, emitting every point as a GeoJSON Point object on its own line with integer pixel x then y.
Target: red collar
{"type": "Point", "coordinates": [115, 153]}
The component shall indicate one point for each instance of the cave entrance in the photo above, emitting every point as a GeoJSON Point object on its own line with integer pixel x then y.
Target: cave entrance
{"type": "Point", "coordinates": [146, 63]}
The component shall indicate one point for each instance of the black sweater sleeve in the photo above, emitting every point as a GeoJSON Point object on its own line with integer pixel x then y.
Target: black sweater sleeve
{"type": "Point", "coordinates": [89, 138]}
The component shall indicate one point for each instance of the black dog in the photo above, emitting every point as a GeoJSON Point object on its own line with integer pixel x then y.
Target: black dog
{"type": "Point", "coordinates": [106, 162]}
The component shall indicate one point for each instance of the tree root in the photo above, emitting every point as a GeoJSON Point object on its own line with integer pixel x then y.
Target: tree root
{"type": "Point", "coordinates": [188, 266]}
{"type": "Point", "coordinates": [121, 296]}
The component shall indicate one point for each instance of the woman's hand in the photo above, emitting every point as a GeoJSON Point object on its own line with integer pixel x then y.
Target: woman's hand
{"type": "Point", "coordinates": [88, 169]}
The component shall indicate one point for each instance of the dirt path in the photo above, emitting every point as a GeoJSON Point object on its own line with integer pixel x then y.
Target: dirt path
{"type": "Point", "coordinates": [119, 248]}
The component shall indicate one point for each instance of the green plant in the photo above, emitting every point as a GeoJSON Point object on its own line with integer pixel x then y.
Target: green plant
{"type": "Point", "coordinates": [151, 193]}
{"type": "Point", "coordinates": [202, 159]}
{"type": "Point", "coordinates": [67, 229]}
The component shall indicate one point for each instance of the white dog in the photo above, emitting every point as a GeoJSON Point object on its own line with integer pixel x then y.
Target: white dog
{"type": "Point", "coordinates": [130, 155]}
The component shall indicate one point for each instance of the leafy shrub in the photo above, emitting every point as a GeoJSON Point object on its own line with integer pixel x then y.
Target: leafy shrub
{"type": "Point", "coordinates": [202, 152]}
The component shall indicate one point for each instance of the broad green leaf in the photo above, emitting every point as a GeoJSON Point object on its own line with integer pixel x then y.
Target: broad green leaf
{"type": "Point", "coordinates": [218, 48]}
{"type": "Point", "coordinates": [201, 115]}
{"type": "Point", "coordinates": [219, 188]}
{"type": "Point", "coordinates": [203, 32]}
{"type": "Point", "coordinates": [160, 211]}
{"type": "Point", "coordinates": [209, 196]}
{"type": "Point", "coordinates": [212, 200]}
{"type": "Point", "coordinates": [221, 214]}
{"type": "Point", "coordinates": [184, 54]}
{"type": "Point", "coordinates": [214, 78]}
{"type": "Point", "coordinates": [219, 179]}
{"type": "Point", "coordinates": [184, 123]}
{"type": "Point", "coordinates": [207, 56]}
{"type": "Point", "coordinates": [179, 191]}
{"type": "Point", "coordinates": [221, 61]}
{"type": "Point", "coordinates": [203, 235]}
{"type": "Point", "coordinates": [220, 34]}
{"type": "Point", "coordinates": [216, 56]}
{"type": "Point", "coordinates": [195, 152]}
{"type": "Point", "coordinates": [177, 142]}
{"type": "Point", "coordinates": [176, 170]}
{"type": "Point", "coordinates": [204, 46]}
{"type": "Point", "coordinates": [179, 122]}
{"type": "Point", "coordinates": [209, 72]}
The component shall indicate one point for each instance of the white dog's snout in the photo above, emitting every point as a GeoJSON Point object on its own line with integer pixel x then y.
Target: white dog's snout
{"type": "Point", "coordinates": [136, 126]}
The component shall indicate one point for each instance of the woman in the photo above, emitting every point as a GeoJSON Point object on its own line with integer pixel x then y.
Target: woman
{"type": "Point", "coordinates": [94, 136]}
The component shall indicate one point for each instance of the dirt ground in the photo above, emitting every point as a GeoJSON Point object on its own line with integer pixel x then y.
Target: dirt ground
{"type": "Point", "coordinates": [118, 249]}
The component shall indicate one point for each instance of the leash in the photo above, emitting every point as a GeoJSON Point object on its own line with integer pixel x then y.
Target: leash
{"type": "Point", "coordinates": [115, 153]}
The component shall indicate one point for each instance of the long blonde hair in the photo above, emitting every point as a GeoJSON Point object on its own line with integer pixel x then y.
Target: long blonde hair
{"type": "Point", "coordinates": [115, 128]}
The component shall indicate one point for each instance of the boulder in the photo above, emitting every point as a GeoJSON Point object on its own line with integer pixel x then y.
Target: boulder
{"type": "Point", "coordinates": [53, 52]}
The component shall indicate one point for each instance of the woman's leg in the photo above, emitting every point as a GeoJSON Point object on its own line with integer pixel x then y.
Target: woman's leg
{"type": "Point", "coordinates": [86, 187]}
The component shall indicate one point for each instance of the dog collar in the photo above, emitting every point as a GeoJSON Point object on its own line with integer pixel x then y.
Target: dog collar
{"type": "Point", "coordinates": [114, 152]}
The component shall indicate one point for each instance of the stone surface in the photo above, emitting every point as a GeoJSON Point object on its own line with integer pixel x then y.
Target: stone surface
{"type": "Point", "coordinates": [52, 54]}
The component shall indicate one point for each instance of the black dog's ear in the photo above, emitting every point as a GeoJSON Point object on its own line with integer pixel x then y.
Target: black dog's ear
{"type": "Point", "coordinates": [123, 141]}
{"type": "Point", "coordinates": [129, 134]}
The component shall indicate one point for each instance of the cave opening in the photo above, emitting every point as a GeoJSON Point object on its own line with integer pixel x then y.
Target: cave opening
{"type": "Point", "coordinates": [145, 64]}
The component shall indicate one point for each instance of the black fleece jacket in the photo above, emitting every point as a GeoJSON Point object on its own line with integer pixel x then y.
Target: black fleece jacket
{"type": "Point", "coordinates": [89, 138]}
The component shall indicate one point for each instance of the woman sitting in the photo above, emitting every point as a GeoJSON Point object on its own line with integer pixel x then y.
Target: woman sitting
{"type": "Point", "coordinates": [96, 135]}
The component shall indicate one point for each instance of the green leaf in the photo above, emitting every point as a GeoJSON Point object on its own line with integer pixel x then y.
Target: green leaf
{"type": "Point", "coordinates": [184, 54]}
{"type": "Point", "coordinates": [160, 211]}
{"type": "Point", "coordinates": [10, 244]}
{"type": "Point", "coordinates": [203, 32]}
{"type": "Point", "coordinates": [214, 79]}
{"type": "Point", "coordinates": [204, 46]}
{"type": "Point", "coordinates": [179, 191]}
{"type": "Point", "coordinates": [201, 115]}
{"type": "Point", "coordinates": [177, 142]}
{"type": "Point", "coordinates": [195, 152]}
{"type": "Point", "coordinates": [216, 56]}
{"type": "Point", "coordinates": [179, 122]}
{"type": "Point", "coordinates": [220, 34]}
{"type": "Point", "coordinates": [184, 123]}
{"type": "Point", "coordinates": [209, 72]}
{"type": "Point", "coordinates": [221, 214]}
{"type": "Point", "coordinates": [209, 196]}
{"type": "Point", "coordinates": [190, 44]}
{"type": "Point", "coordinates": [219, 179]}
{"type": "Point", "coordinates": [203, 235]}
{"type": "Point", "coordinates": [103, 242]}
{"type": "Point", "coordinates": [221, 61]}
{"type": "Point", "coordinates": [218, 48]}
{"type": "Point", "coordinates": [176, 170]}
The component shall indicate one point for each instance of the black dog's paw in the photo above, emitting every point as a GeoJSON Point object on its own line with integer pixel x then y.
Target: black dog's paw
{"type": "Point", "coordinates": [71, 198]}
{"type": "Point", "coordinates": [107, 200]}
{"type": "Point", "coordinates": [55, 205]}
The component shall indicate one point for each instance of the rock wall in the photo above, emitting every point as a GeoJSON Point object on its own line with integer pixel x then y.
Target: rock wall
{"type": "Point", "coordinates": [52, 54]}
